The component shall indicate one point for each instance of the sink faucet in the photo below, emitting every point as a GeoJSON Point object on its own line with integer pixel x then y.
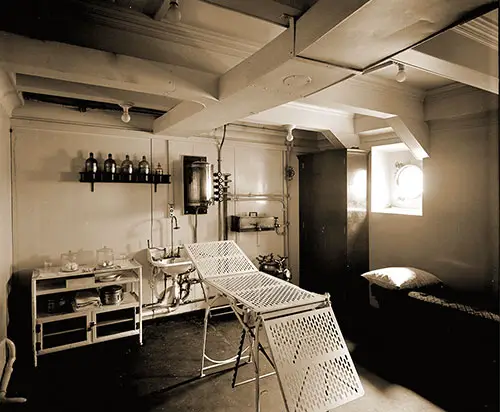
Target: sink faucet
{"type": "Point", "coordinates": [173, 219]}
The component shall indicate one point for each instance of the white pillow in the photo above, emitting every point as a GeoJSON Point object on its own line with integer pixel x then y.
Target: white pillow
{"type": "Point", "coordinates": [401, 278]}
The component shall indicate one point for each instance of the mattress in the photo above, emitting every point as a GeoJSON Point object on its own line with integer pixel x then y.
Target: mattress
{"type": "Point", "coordinates": [447, 301]}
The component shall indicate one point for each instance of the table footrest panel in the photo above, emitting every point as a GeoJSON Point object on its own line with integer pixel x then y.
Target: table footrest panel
{"type": "Point", "coordinates": [312, 361]}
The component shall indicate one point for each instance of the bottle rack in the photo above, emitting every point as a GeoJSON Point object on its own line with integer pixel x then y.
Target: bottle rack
{"type": "Point", "coordinates": [103, 177]}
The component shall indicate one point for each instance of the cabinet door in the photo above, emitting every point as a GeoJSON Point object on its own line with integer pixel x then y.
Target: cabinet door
{"type": "Point", "coordinates": [63, 333]}
{"type": "Point", "coordinates": [322, 191]}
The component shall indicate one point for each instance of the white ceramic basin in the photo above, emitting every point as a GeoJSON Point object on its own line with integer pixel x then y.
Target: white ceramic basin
{"type": "Point", "coordinates": [171, 265]}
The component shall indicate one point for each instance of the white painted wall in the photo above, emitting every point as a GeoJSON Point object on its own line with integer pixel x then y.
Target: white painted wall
{"type": "Point", "coordinates": [54, 213]}
{"type": "Point", "coordinates": [5, 227]}
{"type": "Point", "coordinates": [457, 236]}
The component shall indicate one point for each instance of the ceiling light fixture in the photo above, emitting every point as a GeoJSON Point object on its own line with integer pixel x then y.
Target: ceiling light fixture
{"type": "Point", "coordinates": [173, 12]}
{"type": "Point", "coordinates": [289, 129]}
{"type": "Point", "coordinates": [126, 115]}
{"type": "Point", "coordinates": [401, 76]}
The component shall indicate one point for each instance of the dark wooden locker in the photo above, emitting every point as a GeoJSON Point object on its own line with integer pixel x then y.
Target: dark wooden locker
{"type": "Point", "coordinates": [333, 200]}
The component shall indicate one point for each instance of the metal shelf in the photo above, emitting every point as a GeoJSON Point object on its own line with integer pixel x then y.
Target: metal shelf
{"type": "Point", "coordinates": [130, 300]}
{"type": "Point", "coordinates": [48, 290]}
{"type": "Point", "coordinates": [103, 177]}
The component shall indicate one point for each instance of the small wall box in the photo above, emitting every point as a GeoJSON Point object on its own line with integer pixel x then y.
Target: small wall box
{"type": "Point", "coordinates": [253, 223]}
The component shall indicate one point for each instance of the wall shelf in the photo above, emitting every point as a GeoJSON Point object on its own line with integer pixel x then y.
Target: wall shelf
{"type": "Point", "coordinates": [103, 177]}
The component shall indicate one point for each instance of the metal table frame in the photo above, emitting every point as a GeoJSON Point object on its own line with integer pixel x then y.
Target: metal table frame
{"type": "Point", "coordinates": [260, 300]}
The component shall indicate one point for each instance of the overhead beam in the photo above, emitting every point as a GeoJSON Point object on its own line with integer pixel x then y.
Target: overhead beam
{"type": "Point", "coordinates": [305, 117]}
{"type": "Point", "coordinates": [10, 98]}
{"type": "Point", "coordinates": [60, 61]}
{"type": "Point", "coordinates": [445, 68]}
{"type": "Point", "coordinates": [328, 44]}
{"type": "Point", "coordinates": [341, 140]}
{"type": "Point", "coordinates": [371, 96]}
{"type": "Point", "coordinates": [414, 133]}
{"type": "Point", "coordinates": [72, 90]}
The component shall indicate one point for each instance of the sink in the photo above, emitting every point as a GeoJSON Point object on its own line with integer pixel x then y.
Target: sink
{"type": "Point", "coordinates": [172, 265]}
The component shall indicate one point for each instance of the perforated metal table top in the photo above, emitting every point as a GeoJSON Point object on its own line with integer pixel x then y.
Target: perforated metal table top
{"type": "Point", "coordinates": [219, 258]}
{"type": "Point", "coordinates": [312, 361]}
{"type": "Point", "coordinates": [262, 292]}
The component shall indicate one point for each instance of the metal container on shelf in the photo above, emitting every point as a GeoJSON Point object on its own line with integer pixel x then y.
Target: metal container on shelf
{"type": "Point", "coordinates": [105, 258]}
{"type": "Point", "coordinates": [68, 262]}
{"type": "Point", "coordinates": [112, 295]}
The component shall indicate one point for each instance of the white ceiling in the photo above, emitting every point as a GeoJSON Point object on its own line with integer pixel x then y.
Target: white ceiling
{"type": "Point", "coordinates": [215, 40]}
{"type": "Point", "coordinates": [227, 22]}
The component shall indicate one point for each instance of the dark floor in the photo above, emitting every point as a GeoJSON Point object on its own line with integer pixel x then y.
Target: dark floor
{"type": "Point", "coordinates": [162, 375]}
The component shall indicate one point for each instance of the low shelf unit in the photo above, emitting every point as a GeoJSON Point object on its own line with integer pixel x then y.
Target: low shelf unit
{"type": "Point", "coordinates": [58, 325]}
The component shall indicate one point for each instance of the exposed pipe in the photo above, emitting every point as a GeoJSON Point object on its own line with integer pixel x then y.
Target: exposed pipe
{"type": "Point", "coordinates": [220, 229]}
{"type": "Point", "coordinates": [7, 372]}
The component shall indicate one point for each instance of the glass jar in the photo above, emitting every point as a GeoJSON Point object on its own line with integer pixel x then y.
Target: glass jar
{"type": "Point", "coordinates": [105, 258]}
{"type": "Point", "coordinates": [68, 262]}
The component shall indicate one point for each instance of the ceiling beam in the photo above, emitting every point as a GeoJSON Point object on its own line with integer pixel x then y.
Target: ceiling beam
{"type": "Point", "coordinates": [341, 140]}
{"type": "Point", "coordinates": [328, 44]}
{"type": "Point", "coordinates": [414, 133]}
{"type": "Point", "coordinates": [60, 61]}
{"type": "Point", "coordinates": [62, 88]}
{"type": "Point", "coordinates": [472, 63]}
{"type": "Point", "coordinates": [305, 117]}
{"type": "Point", "coordinates": [10, 98]}
{"type": "Point", "coordinates": [371, 96]}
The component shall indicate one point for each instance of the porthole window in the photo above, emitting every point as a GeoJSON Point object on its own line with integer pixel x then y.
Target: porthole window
{"type": "Point", "coordinates": [409, 182]}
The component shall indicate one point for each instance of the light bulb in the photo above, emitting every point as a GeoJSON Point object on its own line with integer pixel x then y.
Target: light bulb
{"type": "Point", "coordinates": [401, 76]}
{"type": "Point", "coordinates": [125, 115]}
{"type": "Point", "coordinates": [173, 12]}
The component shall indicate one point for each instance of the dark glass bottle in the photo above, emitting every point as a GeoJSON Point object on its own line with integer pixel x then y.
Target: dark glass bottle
{"type": "Point", "coordinates": [110, 164]}
{"type": "Point", "coordinates": [144, 166]}
{"type": "Point", "coordinates": [91, 164]}
{"type": "Point", "coordinates": [110, 168]}
{"type": "Point", "coordinates": [127, 167]}
{"type": "Point", "coordinates": [144, 169]}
